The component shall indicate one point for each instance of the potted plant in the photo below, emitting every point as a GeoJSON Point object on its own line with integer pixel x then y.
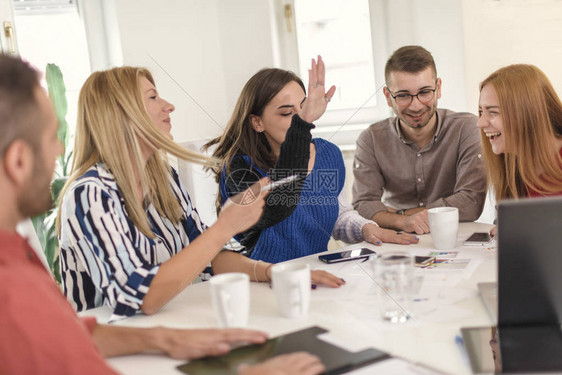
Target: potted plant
{"type": "Point", "coordinates": [45, 223]}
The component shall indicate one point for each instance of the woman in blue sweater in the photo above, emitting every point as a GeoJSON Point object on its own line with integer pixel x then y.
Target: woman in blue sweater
{"type": "Point", "coordinates": [269, 135]}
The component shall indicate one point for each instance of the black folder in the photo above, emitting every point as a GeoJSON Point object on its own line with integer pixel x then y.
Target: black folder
{"type": "Point", "coordinates": [335, 359]}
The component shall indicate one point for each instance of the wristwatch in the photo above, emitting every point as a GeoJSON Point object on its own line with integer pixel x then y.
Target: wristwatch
{"type": "Point", "coordinates": [401, 212]}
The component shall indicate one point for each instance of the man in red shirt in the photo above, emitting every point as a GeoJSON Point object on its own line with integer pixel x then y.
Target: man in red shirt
{"type": "Point", "coordinates": [39, 331]}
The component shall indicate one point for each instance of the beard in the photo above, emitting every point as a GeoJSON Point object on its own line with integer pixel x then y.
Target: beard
{"type": "Point", "coordinates": [36, 196]}
{"type": "Point", "coordinates": [427, 114]}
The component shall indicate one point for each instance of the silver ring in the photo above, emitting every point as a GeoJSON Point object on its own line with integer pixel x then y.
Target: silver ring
{"type": "Point", "coordinates": [327, 99]}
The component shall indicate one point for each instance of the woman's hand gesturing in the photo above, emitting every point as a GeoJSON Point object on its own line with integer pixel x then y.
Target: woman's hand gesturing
{"type": "Point", "coordinates": [318, 98]}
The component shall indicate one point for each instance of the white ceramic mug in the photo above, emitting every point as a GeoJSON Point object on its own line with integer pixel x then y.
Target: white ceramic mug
{"type": "Point", "coordinates": [291, 284]}
{"type": "Point", "coordinates": [230, 294]}
{"type": "Point", "coordinates": [444, 227]}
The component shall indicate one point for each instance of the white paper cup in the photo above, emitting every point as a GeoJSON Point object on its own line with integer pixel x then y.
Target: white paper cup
{"type": "Point", "coordinates": [230, 294]}
{"type": "Point", "coordinates": [291, 284]}
{"type": "Point", "coordinates": [444, 227]}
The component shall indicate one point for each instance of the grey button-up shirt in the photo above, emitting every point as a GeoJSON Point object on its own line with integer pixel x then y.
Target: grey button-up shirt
{"type": "Point", "coordinates": [391, 171]}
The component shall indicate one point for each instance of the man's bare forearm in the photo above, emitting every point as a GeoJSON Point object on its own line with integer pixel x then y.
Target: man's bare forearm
{"type": "Point", "coordinates": [388, 220]}
{"type": "Point", "coordinates": [115, 341]}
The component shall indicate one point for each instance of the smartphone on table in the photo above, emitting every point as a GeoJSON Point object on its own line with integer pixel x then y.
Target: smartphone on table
{"type": "Point", "coordinates": [344, 256]}
{"type": "Point", "coordinates": [478, 239]}
{"type": "Point", "coordinates": [423, 261]}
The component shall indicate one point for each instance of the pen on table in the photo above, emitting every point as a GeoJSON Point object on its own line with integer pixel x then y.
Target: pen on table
{"type": "Point", "coordinates": [460, 344]}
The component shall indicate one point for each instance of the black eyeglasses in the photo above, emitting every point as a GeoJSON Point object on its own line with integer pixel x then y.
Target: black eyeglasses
{"type": "Point", "coordinates": [404, 99]}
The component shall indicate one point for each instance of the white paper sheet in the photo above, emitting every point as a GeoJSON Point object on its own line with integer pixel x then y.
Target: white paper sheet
{"type": "Point", "coordinates": [394, 366]}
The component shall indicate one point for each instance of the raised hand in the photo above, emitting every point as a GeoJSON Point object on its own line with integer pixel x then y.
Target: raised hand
{"type": "Point", "coordinates": [318, 98]}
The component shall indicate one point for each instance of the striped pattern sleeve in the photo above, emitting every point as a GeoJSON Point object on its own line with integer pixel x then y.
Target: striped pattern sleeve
{"type": "Point", "coordinates": [349, 223]}
{"type": "Point", "coordinates": [99, 259]}
{"type": "Point", "coordinates": [192, 223]}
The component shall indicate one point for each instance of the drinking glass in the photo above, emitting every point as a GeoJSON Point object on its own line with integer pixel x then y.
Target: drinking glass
{"type": "Point", "coordinates": [394, 273]}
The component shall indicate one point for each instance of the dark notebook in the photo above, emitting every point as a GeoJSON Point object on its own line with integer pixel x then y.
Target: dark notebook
{"type": "Point", "coordinates": [335, 359]}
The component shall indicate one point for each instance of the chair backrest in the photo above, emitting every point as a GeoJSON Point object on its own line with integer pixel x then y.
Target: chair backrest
{"type": "Point", "coordinates": [200, 184]}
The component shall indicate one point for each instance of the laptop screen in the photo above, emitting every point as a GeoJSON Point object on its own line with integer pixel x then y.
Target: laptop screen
{"type": "Point", "coordinates": [530, 262]}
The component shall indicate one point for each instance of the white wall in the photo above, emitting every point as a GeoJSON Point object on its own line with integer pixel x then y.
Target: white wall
{"type": "Point", "coordinates": [436, 25]}
{"type": "Point", "coordinates": [500, 33]}
{"type": "Point", "coordinates": [210, 48]}
{"type": "Point", "coordinates": [201, 53]}
{"type": "Point", "coordinates": [206, 51]}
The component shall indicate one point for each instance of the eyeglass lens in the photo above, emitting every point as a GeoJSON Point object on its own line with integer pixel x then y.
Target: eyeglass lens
{"type": "Point", "coordinates": [424, 96]}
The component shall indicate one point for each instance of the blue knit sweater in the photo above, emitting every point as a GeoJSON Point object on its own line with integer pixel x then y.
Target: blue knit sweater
{"type": "Point", "coordinates": [308, 229]}
{"type": "Point", "coordinates": [314, 211]}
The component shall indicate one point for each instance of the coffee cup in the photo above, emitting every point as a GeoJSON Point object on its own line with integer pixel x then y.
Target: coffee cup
{"type": "Point", "coordinates": [444, 227]}
{"type": "Point", "coordinates": [291, 285]}
{"type": "Point", "coordinates": [230, 294]}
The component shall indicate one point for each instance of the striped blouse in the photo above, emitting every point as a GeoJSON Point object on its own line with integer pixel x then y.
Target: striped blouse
{"type": "Point", "coordinates": [104, 257]}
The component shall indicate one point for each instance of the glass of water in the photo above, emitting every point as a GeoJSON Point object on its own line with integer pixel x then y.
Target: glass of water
{"type": "Point", "coordinates": [394, 273]}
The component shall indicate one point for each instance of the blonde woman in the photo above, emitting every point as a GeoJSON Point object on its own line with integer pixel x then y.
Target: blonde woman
{"type": "Point", "coordinates": [129, 234]}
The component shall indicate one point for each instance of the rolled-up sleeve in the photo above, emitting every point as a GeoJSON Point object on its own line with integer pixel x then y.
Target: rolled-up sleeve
{"type": "Point", "coordinates": [349, 224]}
{"type": "Point", "coordinates": [368, 180]}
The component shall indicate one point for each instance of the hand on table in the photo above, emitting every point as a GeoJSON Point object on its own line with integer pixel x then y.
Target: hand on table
{"type": "Point", "coordinates": [197, 343]}
{"type": "Point", "coordinates": [417, 223]}
{"type": "Point", "coordinates": [376, 235]}
{"type": "Point", "coordinates": [319, 277]}
{"type": "Point", "coordinates": [317, 100]}
{"type": "Point", "coordinates": [298, 363]}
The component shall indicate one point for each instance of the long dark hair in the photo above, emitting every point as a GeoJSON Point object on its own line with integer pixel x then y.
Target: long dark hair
{"type": "Point", "coordinates": [240, 138]}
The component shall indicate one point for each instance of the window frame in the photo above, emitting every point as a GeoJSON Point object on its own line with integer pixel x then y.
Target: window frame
{"type": "Point", "coordinates": [339, 120]}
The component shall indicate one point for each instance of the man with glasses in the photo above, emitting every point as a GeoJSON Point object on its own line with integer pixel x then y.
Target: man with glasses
{"type": "Point", "coordinates": [424, 157]}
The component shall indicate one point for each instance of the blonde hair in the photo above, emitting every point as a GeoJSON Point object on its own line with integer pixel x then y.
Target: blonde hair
{"type": "Point", "coordinates": [532, 118]}
{"type": "Point", "coordinates": [112, 119]}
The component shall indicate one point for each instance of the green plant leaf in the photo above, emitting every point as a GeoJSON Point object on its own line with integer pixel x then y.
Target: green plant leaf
{"type": "Point", "coordinates": [56, 187]}
{"type": "Point", "coordinates": [39, 225]}
{"type": "Point", "coordinates": [50, 250]}
{"type": "Point", "coordinates": [56, 269]}
{"type": "Point", "coordinates": [45, 223]}
{"type": "Point", "coordinates": [57, 93]}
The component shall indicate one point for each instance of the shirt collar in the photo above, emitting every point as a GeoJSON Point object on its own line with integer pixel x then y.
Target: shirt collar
{"type": "Point", "coordinates": [103, 173]}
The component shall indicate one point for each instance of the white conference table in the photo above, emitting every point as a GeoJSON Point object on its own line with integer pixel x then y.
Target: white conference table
{"type": "Point", "coordinates": [349, 313]}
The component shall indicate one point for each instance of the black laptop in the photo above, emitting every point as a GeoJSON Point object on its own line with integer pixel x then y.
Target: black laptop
{"type": "Point", "coordinates": [528, 338]}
